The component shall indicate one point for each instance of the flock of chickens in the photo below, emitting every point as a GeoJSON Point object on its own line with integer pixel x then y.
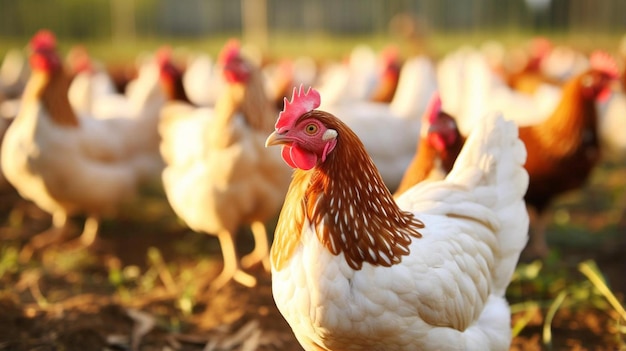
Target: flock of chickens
{"type": "Point", "coordinates": [405, 184]}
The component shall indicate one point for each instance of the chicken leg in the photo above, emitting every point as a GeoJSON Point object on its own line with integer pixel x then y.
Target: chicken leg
{"type": "Point", "coordinates": [232, 267]}
{"type": "Point", "coordinates": [55, 234]}
{"type": "Point", "coordinates": [261, 248]}
{"type": "Point", "coordinates": [87, 237]}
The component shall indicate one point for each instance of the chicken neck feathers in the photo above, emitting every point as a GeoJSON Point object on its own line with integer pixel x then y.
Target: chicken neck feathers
{"type": "Point", "coordinates": [361, 221]}
{"type": "Point", "coordinates": [573, 116]}
{"type": "Point", "coordinates": [52, 89]}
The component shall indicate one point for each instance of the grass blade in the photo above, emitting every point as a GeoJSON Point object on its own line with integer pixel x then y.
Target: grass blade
{"type": "Point", "coordinates": [547, 323]}
{"type": "Point", "coordinates": [590, 270]}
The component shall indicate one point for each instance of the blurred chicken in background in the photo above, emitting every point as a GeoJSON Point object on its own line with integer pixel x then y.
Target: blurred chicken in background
{"type": "Point", "coordinates": [564, 149]}
{"type": "Point", "coordinates": [219, 176]}
{"type": "Point", "coordinates": [69, 164]}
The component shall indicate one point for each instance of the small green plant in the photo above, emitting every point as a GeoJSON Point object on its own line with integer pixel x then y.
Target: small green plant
{"type": "Point", "coordinates": [8, 260]}
{"type": "Point", "coordinates": [546, 287]}
{"type": "Point", "coordinates": [591, 271]}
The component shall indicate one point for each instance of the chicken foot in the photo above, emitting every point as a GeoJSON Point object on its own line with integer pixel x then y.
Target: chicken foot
{"type": "Point", "coordinates": [232, 268]}
{"type": "Point", "coordinates": [87, 237]}
{"type": "Point", "coordinates": [261, 248]}
{"type": "Point", "coordinates": [57, 233]}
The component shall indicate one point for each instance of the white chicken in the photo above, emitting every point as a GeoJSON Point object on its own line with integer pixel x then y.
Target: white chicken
{"type": "Point", "coordinates": [352, 269]}
{"type": "Point", "coordinates": [4, 125]}
{"type": "Point", "coordinates": [611, 124]}
{"type": "Point", "coordinates": [218, 175]}
{"type": "Point", "coordinates": [470, 89]}
{"type": "Point", "coordinates": [143, 97]}
{"type": "Point", "coordinates": [351, 81]}
{"type": "Point", "coordinates": [64, 164]}
{"type": "Point", "coordinates": [389, 130]}
{"type": "Point", "coordinates": [14, 73]}
{"type": "Point", "coordinates": [91, 80]}
{"type": "Point", "coordinates": [202, 80]}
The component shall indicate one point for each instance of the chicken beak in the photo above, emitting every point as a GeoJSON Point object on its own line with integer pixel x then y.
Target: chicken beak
{"type": "Point", "coordinates": [276, 139]}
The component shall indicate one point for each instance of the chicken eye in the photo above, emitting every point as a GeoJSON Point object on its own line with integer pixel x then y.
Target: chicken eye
{"type": "Point", "coordinates": [311, 129]}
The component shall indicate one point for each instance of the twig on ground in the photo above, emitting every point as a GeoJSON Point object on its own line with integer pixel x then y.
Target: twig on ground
{"type": "Point", "coordinates": [144, 323]}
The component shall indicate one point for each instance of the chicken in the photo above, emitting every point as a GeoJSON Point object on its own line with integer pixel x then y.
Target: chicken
{"type": "Point", "coordinates": [282, 76]}
{"type": "Point", "coordinates": [390, 74]}
{"type": "Point", "coordinates": [563, 63]}
{"type": "Point", "coordinates": [564, 149]}
{"type": "Point", "coordinates": [14, 73]}
{"type": "Point", "coordinates": [470, 88]}
{"type": "Point", "coordinates": [612, 126]}
{"type": "Point", "coordinates": [90, 80]}
{"type": "Point", "coordinates": [439, 146]}
{"type": "Point", "coordinates": [65, 164]}
{"type": "Point", "coordinates": [524, 71]}
{"type": "Point", "coordinates": [171, 76]}
{"type": "Point", "coordinates": [202, 80]}
{"type": "Point", "coordinates": [93, 93]}
{"type": "Point", "coordinates": [393, 146]}
{"type": "Point", "coordinates": [4, 125]}
{"type": "Point", "coordinates": [354, 269]}
{"type": "Point", "coordinates": [227, 179]}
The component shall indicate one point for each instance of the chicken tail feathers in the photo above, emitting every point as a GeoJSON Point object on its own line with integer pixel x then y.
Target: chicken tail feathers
{"type": "Point", "coordinates": [494, 156]}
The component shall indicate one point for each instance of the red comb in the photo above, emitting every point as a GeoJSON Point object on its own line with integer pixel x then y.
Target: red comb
{"type": "Point", "coordinates": [605, 63]}
{"type": "Point", "coordinates": [230, 51]}
{"type": "Point", "coordinates": [433, 108]}
{"type": "Point", "coordinates": [390, 54]}
{"type": "Point", "coordinates": [301, 103]}
{"type": "Point", "coordinates": [43, 40]}
{"type": "Point", "coordinates": [540, 47]}
{"type": "Point", "coordinates": [163, 55]}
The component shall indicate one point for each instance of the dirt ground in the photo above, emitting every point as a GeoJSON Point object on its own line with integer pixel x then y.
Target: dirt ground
{"type": "Point", "coordinates": [123, 294]}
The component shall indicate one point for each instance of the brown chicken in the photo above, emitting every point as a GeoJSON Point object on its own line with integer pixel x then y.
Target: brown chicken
{"type": "Point", "coordinates": [529, 77]}
{"type": "Point", "coordinates": [564, 149]}
{"type": "Point", "coordinates": [439, 146]}
{"type": "Point", "coordinates": [391, 66]}
{"type": "Point", "coordinates": [171, 76]}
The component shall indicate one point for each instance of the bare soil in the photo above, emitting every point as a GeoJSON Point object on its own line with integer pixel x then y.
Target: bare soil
{"type": "Point", "coordinates": [73, 301]}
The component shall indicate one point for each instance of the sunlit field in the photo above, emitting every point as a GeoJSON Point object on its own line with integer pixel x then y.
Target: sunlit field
{"type": "Point", "coordinates": [142, 285]}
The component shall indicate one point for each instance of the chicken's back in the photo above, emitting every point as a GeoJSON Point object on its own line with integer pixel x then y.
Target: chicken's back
{"type": "Point", "coordinates": [490, 166]}
{"type": "Point", "coordinates": [52, 166]}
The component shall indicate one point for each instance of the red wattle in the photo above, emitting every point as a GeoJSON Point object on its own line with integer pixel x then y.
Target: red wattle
{"type": "Point", "coordinates": [604, 95]}
{"type": "Point", "coordinates": [295, 157]}
{"type": "Point", "coordinates": [437, 142]}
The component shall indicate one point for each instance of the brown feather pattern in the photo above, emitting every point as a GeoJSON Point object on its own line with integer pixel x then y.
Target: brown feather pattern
{"type": "Point", "coordinates": [346, 201]}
